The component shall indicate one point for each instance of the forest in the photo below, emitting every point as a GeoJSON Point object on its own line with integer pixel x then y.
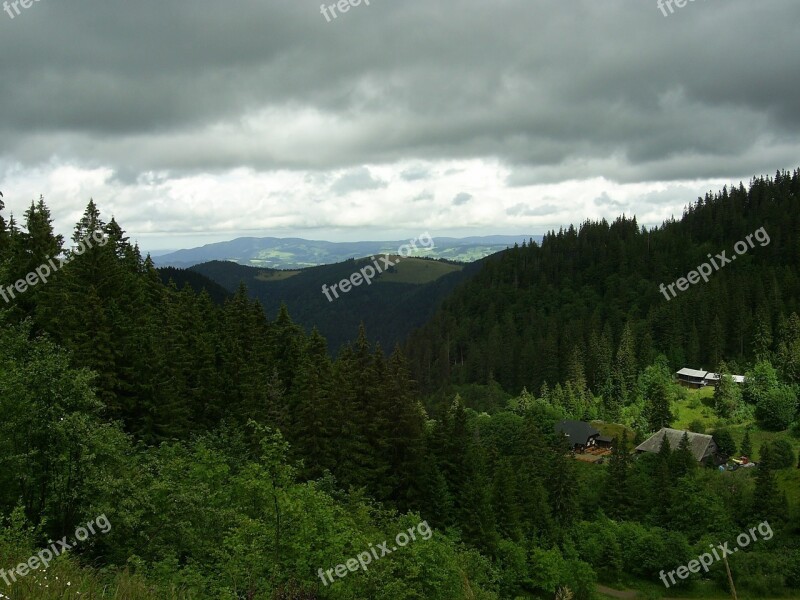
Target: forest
{"type": "Point", "coordinates": [234, 457]}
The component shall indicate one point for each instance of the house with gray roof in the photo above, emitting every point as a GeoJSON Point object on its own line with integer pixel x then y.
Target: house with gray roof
{"type": "Point", "coordinates": [696, 379]}
{"type": "Point", "coordinates": [701, 445]}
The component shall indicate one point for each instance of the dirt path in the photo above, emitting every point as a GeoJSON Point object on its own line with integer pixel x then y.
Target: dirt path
{"type": "Point", "coordinates": [623, 594]}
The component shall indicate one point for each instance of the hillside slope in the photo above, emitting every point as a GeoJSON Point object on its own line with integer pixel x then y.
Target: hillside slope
{"type": "Point", "coordinates": [396, 301]}
{"type": "Point", "coordinates": [542, 313]}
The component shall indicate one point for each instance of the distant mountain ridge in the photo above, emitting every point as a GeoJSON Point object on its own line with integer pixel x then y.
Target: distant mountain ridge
{"type": "Point", "coordinates": [397, 301]}
{"type": "Point", "coordinates": [299, 253]}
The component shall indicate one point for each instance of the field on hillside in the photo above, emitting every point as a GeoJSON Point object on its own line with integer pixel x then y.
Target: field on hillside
{"type": "Point", "coordinates": [415, 270]}
{"type": "Point", "coordinates": [278, 275]}
{"type": "Point", "coordinates": [698, 406]}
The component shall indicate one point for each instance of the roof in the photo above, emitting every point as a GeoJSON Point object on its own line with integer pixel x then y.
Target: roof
{"type": "Point", "coordinates": [707, 375]}
{"type": "Point", "coordinates": [605, 438]}
{"type": "Point", "coordinates": [578, 432]}
{"type": "Point", "coordinates": [692, 373]}
{"type": "Point", "coordinates": [698, 442]}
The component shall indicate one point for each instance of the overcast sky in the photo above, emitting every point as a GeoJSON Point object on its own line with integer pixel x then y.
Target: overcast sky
{"type": "Point", "coordinates": [200, 121]}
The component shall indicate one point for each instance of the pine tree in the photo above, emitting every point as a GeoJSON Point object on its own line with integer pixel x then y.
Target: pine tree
{"type": "Point", "coordinates": [663, 484]}
{"type": "Point", "coordinates": [313, 431]}
{"type": "Point", "coordinates": [768, 502]}
{"type": "Point", "coordinates": [747, 446]}
{"type": "Point", "coordinates": [617, 489]}
{"type": "Point", "coordinates": [561, 485]}
{"type": "Point", "coordinates": [505, 504]}
{"type": "Point", "coordinates": [682, 461]}
{"type": "Point", "coordinates": [625, 367]}
{"type": "Point", "coordinates": [727, 395]}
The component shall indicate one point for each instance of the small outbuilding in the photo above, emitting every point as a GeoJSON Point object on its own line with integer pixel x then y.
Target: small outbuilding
{"type": "Point", "coordinates": [604, 441]}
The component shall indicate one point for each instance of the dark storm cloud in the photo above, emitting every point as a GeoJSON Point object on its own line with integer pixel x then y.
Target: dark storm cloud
{"type": "Point", "coordinates": [554, 90]}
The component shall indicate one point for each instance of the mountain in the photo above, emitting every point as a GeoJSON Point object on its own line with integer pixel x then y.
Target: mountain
{"type": "Point", "coordinates": [396, 301]}
{"type": "Point", "coordinates": [297, 253]}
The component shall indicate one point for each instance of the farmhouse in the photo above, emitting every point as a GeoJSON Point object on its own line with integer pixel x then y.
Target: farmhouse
{"type": "Point", "coordinates": [580, 435]}
{"type": "Point", "coordinates": [701, 445]}
{"type": "Point", "coordinates": [693, 378]}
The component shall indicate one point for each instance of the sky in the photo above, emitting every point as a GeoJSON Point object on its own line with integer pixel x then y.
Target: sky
{"type": "Point", "coordinates": [195, 122]}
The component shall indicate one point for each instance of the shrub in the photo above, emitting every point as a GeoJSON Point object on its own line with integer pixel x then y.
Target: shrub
{"type": "Point", "coordinates": [697, 426]}
{"type": "Point", "coordinates": [725, 442]}
{"type": "Point", "coordinates": [776, 409]}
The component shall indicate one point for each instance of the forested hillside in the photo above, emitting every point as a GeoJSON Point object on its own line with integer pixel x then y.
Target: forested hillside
{"type": "Point", "coordinates": [234, 458]}
{"type": "Point", "coordinates": [586, 302]}
{"type": "Point", "coordinates": [391, 307]}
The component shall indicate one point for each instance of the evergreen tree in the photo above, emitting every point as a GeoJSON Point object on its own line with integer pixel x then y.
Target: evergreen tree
{"type": "Point", "coordinates": [727, 395]}
{"type": "Point", "coordinates": [682, 461]}
{"type": "Point", "coordinates": [562, 485]}
{"type": "Point", "coordinates": [747, 446]}
{"type": "Point", "coordinates": [625, 366]}
{"type": "Point", "coordinates": [768, 502]}
{"type": "Point", "coordinates": [725, 442]}
{"type": "Point", "coordinates": [617, 487]}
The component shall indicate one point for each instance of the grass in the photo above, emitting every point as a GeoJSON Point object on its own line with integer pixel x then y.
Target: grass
{"type": "Point", "coordinates": [698, 406]}
{"type": "Point", "coordinates": [613, 430]}
{"type": "Point", "coordinates": [276, 275]}
{"type": "Point", "coordinates": [415, 270]}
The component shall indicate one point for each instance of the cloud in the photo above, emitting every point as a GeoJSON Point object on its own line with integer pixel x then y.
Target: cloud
{"type": "Point", "coordinates": [523, 210]}
{"type": "Point", "coordinates": [415, 173]}
{"type": "Point", "coordinates": [356, 180]}
{"type": "Point", "coordinates": [605, 201]}
{"type": "Point", "coordinates": [462, 198]}
{"type": "Point", "coordinates": [219, 110]}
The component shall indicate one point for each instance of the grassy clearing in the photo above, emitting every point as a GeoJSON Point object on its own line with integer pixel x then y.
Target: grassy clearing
{"type": "Point", "coordinates": [276, 275]}
{"type": "Point", "coordinates": [698, 406]}
{"type": "Point", "coordinates": [415, 270]}
{"type": "Point", "coordinates": [613, 430]}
